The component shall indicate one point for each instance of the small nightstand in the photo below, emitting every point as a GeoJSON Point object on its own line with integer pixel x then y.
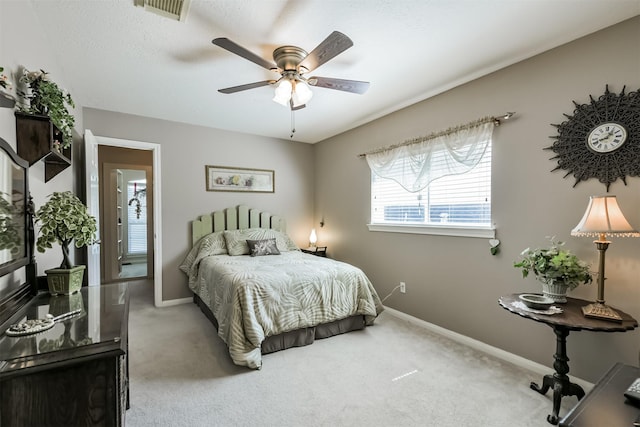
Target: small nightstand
{"type": "Point", "coordinates": [316, 250]}
{"type": "Point", "coordinates": [571, 319]}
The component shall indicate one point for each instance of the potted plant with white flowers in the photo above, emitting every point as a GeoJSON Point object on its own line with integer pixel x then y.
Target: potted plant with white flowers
{"type": "Point", "coordinates": [557, 269]}
{"type": "Point", "coordinates": [63, 219]}
{"type": "Point", "coordinates": [44, 97]}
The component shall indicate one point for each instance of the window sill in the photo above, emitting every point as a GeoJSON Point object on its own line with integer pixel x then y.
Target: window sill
{"type": "Point", "coordinates": [459, 231]}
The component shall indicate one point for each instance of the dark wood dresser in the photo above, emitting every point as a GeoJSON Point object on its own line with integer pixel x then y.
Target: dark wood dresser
{"type": "Point", "coordinates": [74, 374]}
{"type": "Point", "coordinates": [606, 405]}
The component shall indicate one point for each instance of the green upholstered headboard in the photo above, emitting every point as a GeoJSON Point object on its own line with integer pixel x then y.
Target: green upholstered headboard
{"type": "Point", "coordinates": [236, 218]}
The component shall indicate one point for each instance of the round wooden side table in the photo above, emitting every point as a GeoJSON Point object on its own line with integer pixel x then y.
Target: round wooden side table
{"type": "Point", "coordinates": [571, 319]}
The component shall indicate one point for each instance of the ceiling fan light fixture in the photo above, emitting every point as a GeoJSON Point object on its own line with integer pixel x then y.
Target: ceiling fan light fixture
{"type": "Point", "coordinates": [301, 93]}
{"type": "Point", "coordinates": [283, 92]}
{"type": "Point", "coordinates": [292, 63]}
{"type": "Point", "coordinates": [295, 101]}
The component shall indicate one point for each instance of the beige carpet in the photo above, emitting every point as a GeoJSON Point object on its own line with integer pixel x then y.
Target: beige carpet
{"type": "Point", "coordinates": [392, 374]}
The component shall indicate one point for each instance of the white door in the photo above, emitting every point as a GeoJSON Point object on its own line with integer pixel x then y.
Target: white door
{"type": "Point", "coordinates": [93, 204]}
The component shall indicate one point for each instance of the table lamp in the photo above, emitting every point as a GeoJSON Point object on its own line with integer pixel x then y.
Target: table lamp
{"type": "Point", "coordinates": [313, 238]}
{"type": "Point", "coordinates": [603, 218]}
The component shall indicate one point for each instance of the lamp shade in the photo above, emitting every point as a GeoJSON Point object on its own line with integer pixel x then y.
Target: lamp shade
{"type": "Point", "coordinates": [301, 94]}
{"type": "Point", "coordinates": [313, 238]}
{"type": "Point", "coordinates": [604, 217]}
{"type": "Point", "coordinates": [283, 92]}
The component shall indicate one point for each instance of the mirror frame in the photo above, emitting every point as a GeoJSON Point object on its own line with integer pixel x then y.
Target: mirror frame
{"type": "Point", "coordinates": [19, 262]}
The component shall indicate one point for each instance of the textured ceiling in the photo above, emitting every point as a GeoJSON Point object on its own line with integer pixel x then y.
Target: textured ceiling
{"type": "Point", "coordinates": [120, 57]}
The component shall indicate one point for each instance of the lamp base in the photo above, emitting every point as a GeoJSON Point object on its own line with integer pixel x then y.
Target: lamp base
{"type": "Point", "coordinates": [601, 311]}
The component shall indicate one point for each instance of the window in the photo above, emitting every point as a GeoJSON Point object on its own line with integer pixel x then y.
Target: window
{"type": "Point", "coordinates": [136, 218]}
{"type": "Point", "coordinates": [448, 199]}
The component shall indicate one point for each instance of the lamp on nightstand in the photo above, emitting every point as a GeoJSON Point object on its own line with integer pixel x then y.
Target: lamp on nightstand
{"type": "Point", "coordinates": [313, 238]}
{"type": "Point", "coordinates": [603, 218]}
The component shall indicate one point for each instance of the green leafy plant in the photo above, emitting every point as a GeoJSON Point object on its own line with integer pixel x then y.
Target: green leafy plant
{"type": "Point", "coordinates": [46, 98]}
{"type": "Point", "coordinates": [553, 264]}
{"type": "Point", "coordinates": [62, 219]}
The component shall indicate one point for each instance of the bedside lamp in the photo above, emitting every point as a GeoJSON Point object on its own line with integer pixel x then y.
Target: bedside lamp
{"type": "Point", "coordinates": [603, 218]}
{"type": "Point", "coordinates": [313, 238]}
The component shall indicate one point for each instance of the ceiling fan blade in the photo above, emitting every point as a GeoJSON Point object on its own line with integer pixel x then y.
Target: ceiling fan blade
{"type": "Point", "coordinates": [353, 86]}
{"type": "Point", "coordinates": [232, 47]}
{"type": "Point", "coordinates": [331, 47]}
{"type": "Point", "coordinates": [248, 86]}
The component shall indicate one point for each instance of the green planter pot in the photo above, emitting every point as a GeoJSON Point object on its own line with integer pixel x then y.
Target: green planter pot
{"type": "Point", "coordinates": [65, 282]}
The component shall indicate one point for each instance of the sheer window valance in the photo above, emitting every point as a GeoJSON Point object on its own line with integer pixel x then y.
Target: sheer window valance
{"type": "Point", "coordinates": [416, 163]}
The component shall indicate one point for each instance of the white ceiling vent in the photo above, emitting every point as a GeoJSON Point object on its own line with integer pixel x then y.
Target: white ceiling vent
{"type": "Point", "coordinates": [173, 9]}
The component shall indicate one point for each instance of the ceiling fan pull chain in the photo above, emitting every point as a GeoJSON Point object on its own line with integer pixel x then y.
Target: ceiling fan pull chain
{"type": "Point", "coordinates": [293, 125]}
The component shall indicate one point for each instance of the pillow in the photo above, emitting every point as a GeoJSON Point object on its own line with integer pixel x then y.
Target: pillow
{"type": "Point", "coordinates": [263, 247]}
{"type": "Point", "coordinates": [213, 244]}
{"type": "Point", "coordinates": [237, 240]}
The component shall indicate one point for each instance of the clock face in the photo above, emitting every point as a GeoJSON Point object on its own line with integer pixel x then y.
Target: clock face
{"type": "Point", "coordinates": [607, 137]}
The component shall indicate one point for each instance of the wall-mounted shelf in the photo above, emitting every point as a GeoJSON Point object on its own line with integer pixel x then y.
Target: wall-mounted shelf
{"type": "Point", "coordinates": [6, 100]}
{"type": "Point", "coordinates": [35, 136]}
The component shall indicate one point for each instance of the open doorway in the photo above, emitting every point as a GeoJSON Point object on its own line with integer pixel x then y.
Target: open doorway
{"type": "Point", "coordinates": [93, 178]}
{"type": "Point", "coordinates": [126, 219]}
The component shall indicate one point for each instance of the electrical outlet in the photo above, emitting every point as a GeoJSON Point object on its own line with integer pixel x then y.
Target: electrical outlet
{"type": "Point", "coordinates": [403, 287]}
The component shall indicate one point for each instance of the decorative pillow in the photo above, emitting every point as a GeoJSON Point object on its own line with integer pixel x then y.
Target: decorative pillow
{"type": "Point", "coordinates": [263, 247]}
{"type": "Point", "coordinates": [237, 240]}
{"type": "Point", "coordinates": [286, 242]}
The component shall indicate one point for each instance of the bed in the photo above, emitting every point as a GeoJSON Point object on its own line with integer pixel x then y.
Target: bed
{"type": "Point", "coordinates": [263, 294]}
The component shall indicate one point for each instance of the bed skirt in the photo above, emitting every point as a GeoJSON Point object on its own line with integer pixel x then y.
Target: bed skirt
{"type": "Point", "coordinates": [300, 337]}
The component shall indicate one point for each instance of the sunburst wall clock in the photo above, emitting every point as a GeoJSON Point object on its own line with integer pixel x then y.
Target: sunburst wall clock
{"type": "Point", "coordinates": [601, 139]}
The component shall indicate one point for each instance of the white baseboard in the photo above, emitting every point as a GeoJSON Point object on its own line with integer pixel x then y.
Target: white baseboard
{"type": "Point", "coordinates": [485, 348]}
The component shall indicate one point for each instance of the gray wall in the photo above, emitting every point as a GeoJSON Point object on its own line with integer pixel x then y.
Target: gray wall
{"type": "Point", "coordinates": [454, 282]}
{"type": "Point", "coordinates": [185, 150]}
{"type": "Point", "coordinates": [22, 45]}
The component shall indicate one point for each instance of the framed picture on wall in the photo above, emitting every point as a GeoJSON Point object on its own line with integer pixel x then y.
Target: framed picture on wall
{"type": "Point", "coordinates": [224, 178]}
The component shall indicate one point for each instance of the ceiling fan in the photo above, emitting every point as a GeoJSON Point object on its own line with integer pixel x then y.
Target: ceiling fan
{"type": "Point", "coordinates": [292, 63]}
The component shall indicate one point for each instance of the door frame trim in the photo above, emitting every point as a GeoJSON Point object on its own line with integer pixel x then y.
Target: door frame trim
{"type": "Point", "coordinates": [157, 211]}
